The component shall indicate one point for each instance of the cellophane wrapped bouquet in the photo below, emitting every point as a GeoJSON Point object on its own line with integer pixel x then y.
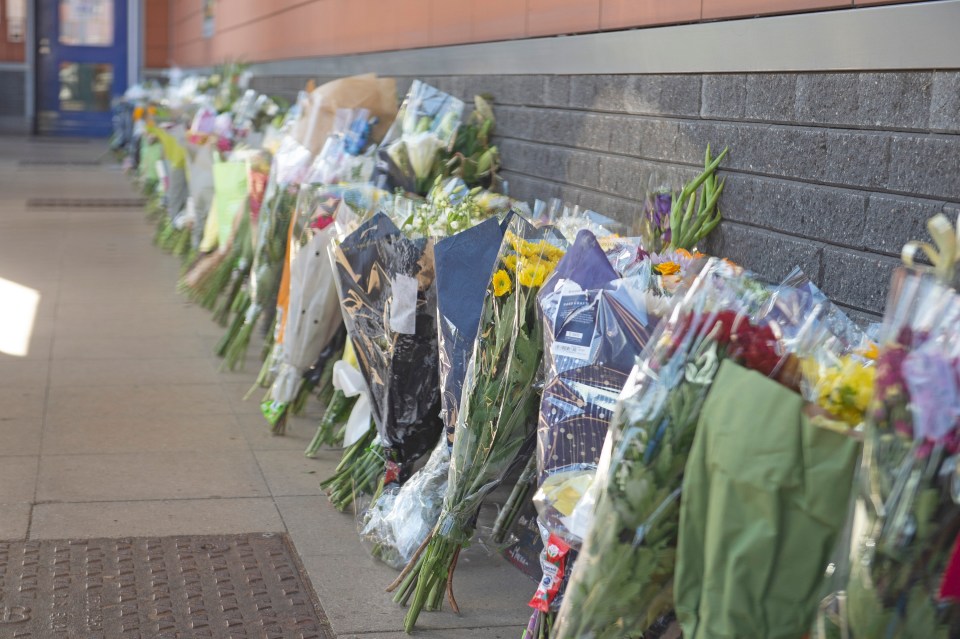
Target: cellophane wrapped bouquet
{"type": "Point", "coordinates": [595, 326]}
{"type": "Point", "coordinates": [312, 318]}
{"type": "Point", "coordinates": [396, 524]}
{"type": "Point", "coordinates": [385, 283]}
{"type": "Point", "coordinates": [497, 408]}
{"type": "Point", "coordinates": [622, 581]}
{"type": "Point", "coordinates": [905, 574]}
{"type": "Point", "coordinates": [288, 168]}
{"type": "Point", "coordinates": [426, 124]}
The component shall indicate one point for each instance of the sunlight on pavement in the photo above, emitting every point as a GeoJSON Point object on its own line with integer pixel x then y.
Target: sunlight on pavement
{"type": "Point", "coordinates": [18, 310]}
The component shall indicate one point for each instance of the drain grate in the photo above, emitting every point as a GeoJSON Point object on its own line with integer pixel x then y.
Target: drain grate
{"type": "Point", "coordinates": [85, 203]}
{"type": "Point", "coordinates": [225, 587]}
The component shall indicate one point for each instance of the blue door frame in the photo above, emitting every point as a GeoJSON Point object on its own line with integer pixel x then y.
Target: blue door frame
{"type": "Point", "coordinates": [64, 70]}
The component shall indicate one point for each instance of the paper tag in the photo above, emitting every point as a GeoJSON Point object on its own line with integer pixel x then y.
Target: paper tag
{"type": "Point", "coordinates": [573, 326]}
{"type": "Point", "coordinates": [403, 310]}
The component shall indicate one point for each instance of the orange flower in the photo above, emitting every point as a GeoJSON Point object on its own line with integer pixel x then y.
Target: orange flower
{"type": "Point", "coordinates": [667, 268]}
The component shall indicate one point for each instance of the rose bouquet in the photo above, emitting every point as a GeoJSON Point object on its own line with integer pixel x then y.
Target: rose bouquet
{"type": "Point", "coordinates": [402, 517]}
{"type": "Point", "coordinates": [496, 413]}
{"type": "Point", "coordinates": [765, 530]}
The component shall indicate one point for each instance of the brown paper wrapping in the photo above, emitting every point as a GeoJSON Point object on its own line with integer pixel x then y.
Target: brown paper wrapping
{"type": "Point", "coordinates": [367, 91]}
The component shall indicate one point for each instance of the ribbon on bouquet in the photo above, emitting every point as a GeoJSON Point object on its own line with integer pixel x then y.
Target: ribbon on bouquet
{"type": "Point", "coordinates": [944, 253]}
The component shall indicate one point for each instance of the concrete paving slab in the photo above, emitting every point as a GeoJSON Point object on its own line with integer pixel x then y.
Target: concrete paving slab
{"type": "Point", "coordinates": [318, 529]}
{"type": "Point", "coordinates": [15, 521]}
{"type": "Point", "coordinates": [72, 372]}
{"type": "Point", "coordinates": [256, 431]}
{"type": "Point", "coordinates": [147, 433]}
{"type": "Point", "coordinates": [128, 347]}
{"type": "Point", "coordinates": [18, 372]}
{"type": "Point", "coordinates": [21, 402]}
{"type": "Point", "coordinates": [288, 472]}
{"type": "Point", "coordinates": [140, 518]}
{"type": "Point", "coordinates": [20, 436]}
{"type": "Point", "coordinates": [490, 593]}
{"type": "Point", "coordinates": [134, 400]}
{"type": "Point", "coordinates": [18, 478]}
{"type": "Point", "coordinates": [133, 476]}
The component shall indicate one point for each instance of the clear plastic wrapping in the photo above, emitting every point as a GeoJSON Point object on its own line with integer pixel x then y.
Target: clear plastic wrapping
{"type": "Point", "coordinates": [622, 580]}
{"type": "Point", "coordinates": [498, 403]}
{"type": "Point", "coordinates": [904, 580]}
{"type": "Point", "coordinates": [385, 283]}
{"type": "Point", "coordinates": [595, 327]}
{"type": "Point", "coordinates": [426, 123]}
{"type": "Point", "coordinates": [313, 312]}
{"type": "Point", "coordinates": [402, 517]}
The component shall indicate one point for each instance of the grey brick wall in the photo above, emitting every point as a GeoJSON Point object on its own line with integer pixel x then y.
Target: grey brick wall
{"type": "Point", "coordinates": [831, 171]}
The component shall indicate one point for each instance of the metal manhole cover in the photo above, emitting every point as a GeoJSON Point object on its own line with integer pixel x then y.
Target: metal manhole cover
{"type": "Point", "coordinates": [229, 587]}
{"type": "Point", "coordinates": [84, 203]}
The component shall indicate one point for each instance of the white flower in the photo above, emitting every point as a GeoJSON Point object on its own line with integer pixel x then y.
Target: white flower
{"type": "Point", "coordinates": [422, 150]}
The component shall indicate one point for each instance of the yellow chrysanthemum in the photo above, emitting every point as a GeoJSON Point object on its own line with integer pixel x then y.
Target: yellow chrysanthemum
{"type": "Point", "coordinates": [510, 261]}
{"type": "Point", "coordinates": [532, 273]}
{"type": "Point", "coordinates": [844, 389]}
{"type": "Point", "coordinates": [667, 268]}
{"type": "Point", "coordinates": [501, 283]}
{"type": "Point", "coordinates": [138, 113]}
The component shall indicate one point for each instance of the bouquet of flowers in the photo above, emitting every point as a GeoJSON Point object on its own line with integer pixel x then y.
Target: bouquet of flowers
{"type": "Point", "coordinates": [312, 316]}
{"type": "Point", "coordinates": [385, 282]}
{"type": "Point", "coordinates": [287, 171]}
{"type": "Point", "coordinates": [680, 220]}
{"type": "Point", "coordinates": [426, 124]}
{"type": "Point", "coordinates": [905, 580]}
{"type": "Point", "coordinates": [622, 581]}
{"type": "Point", "coordinates": [595, 327]}
{"type": "Point", "coordinates": [402, 517]}
{"type": "Point", "coordinates": [765, 529]}
{"type": "Point", "coordinates": [497, 408]}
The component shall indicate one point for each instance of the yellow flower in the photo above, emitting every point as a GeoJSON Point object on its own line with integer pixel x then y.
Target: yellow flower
{"type": "Point", "coordinates": [667, 268]}
{"type": "Point", "coordinates": [501, 283]}
{"type": "Point", "coordinates": [548, 251]}
{"type": "Point", "coordinates": [843, 389]}
{"type": "Point", "coordinates": [532, 273]}
{"type": "Point", "coordinates": [871, 352]}
{"type": "Point", "coordinates": [510, 261]}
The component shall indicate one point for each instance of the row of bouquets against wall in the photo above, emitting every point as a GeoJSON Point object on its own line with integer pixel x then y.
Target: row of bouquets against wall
{"type": "Point", "coordinates": [661, 438]}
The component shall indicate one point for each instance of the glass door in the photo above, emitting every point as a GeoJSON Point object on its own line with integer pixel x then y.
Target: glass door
{"type": "Point", "coordinates": [81, 64]}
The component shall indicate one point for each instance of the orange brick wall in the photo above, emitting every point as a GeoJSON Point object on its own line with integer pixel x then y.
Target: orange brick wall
{"type": "Point", "coordinates": [9, 51]}
{"type": "Point", "coordinates": [258, 30]}
{"type": "Point", "coordinates": [157, 34]}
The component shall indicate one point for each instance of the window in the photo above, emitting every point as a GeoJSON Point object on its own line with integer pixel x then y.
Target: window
{"type": "Point", "coordinates": [16, 19]}
{"type": "Point", "coordinates": [86, 23]}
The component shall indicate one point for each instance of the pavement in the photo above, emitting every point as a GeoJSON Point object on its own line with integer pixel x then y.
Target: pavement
{"type": "Point", "coordinates": [116, 422]}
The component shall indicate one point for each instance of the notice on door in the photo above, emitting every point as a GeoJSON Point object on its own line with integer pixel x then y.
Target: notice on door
{"type": "Point", "coordinates": [207, 18]}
